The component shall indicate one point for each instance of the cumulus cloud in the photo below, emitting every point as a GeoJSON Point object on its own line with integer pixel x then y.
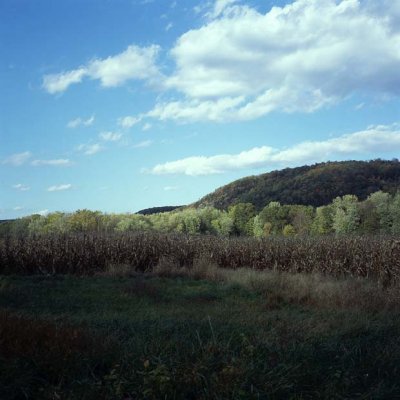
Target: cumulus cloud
{"type": "Point", "coordinates": [59, 162]}
{"type": "Point", "coordinates": [18, 159]}
{"type": "Point", "coordinates": [110, 136]}
{"type": "Point", "coordinates": [372, 140]}
{"type": "Point", "coordinates": [58, 188]}
{"type": "Point", "coordinates": [90, 149]}
{"type": "Point", "coordinates": [295, 58]}
{"type": "Point", "coordinates": [242, 64]}
{"type": "Point", "coordinates": [21, 187]}
{"type": "Point", "coordinates": [133, 63]}
{"type": "Point", "coordinates": [81, 122]}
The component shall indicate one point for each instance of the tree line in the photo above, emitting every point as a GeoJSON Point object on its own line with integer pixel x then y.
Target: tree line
{"type": "Point", "coordinates": [378, 214]}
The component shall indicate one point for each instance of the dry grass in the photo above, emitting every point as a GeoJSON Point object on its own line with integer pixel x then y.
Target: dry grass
{"type": "Point", "coordinates": [202, 268]}
{"type": "Point", "coordinates": [280, 288]}
{"type": "Point", "coordinates": [317, 290]}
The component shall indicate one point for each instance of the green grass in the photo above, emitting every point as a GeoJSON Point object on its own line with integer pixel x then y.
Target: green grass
{"type": "Point", "coordinates": [143, 336]}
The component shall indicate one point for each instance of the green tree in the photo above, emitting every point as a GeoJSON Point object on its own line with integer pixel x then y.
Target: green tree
{"type": "Point", "coordinates": [323, 220]}
{"type": "Point", "coordinates": [288, 230]}
{"type": "Point", "coordinates": [301, 218]}
{"type": "Point", "coordinates": [381, 201]}
{"type": "Point", "coordinates": [276, 215]}
{"type": "Point", "coordinates": [346, 216]}
{"type": "Point", "coordinates": [369, 218]}
{"type": "Point", "coordinates": [223, 225]}
{"type": "Point", "coordinates": [242, 215]}
{"type": "Point", "coordinates": [258, 227]}
{"type": "Point", "coordinates": [134, 223]}
{"type": "Point", "coordinates": [84, 221]}
{"type": "Point", "coordinates": [395, 213]}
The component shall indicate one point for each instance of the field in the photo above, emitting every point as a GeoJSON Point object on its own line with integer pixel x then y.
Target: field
{"type": "Point", "coordinates": [119, 321]}
{"type": "Point", "coordinates": [373, 257]}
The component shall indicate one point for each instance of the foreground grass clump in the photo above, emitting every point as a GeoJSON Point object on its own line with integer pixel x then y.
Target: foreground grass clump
{"type": "Point", "coordinates": [375, 257]}
{"type": "Point", "coordinates": [172, 334]}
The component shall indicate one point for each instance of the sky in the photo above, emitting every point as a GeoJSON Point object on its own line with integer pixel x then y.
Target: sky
{"type": "Point", "coordinates": [120, 105]}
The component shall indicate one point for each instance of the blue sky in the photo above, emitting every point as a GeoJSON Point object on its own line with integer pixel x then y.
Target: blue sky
{"type": "Point", "coordinates": [122, 105]}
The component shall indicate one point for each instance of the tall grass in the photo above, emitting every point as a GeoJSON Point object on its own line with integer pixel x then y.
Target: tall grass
{"type": "Point", "coordinates": [376, 258]}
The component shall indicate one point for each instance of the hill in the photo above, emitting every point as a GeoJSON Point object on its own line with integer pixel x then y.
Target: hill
{"type": "Point", "coordinates": [314, 185]}
{"type": "Point", "coordinates": [156, 210]}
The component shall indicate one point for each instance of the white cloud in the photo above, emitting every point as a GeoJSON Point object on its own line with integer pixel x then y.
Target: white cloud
{"type": "Point", "coordinates": [144, 143]}
{"type": "Point", "coordinates": [90, 149]}
{"type": "Point", "coordinates": [195, 110]}
{"type": "Point", "coordinates": [297, 58]}
{"type": "Point", "coordinates": [58, 188]}
{"type": "Point", "coordinates": [129, 121]}
{"type": "Point", "coordinates": [170, 188]}
{"type": "Point", "coordinates": [60, 162]}
{"type": "Point", "coordinates": [169, 26]}
{"type": "Point", "coordinates": [43, 213]}
{"type": "Point", "coordinates": [56, 83]}
{"type": "Point", "coordinates": [110, 136]}
{"type": "Point", "coordinates": [133, 63]}
{"type": "Point", "coordinates": [21, 187]}
{"type": "Point", "coordinates": [219, 7]}
{"type": "Point", "coordinates": [81, 122]}
{"type": "Point", "coordinates": [147, 126]}
{"type": "Point", "coordinates": [242, 64]}
{"type": "Point", "coordinates": [374, 139]}
{"type": "Point", "coordinates": [201, 165]}
{"type": "Point", "coordinates": [18, 159]}
{"type": "Point", "coordinates": [18, 208]}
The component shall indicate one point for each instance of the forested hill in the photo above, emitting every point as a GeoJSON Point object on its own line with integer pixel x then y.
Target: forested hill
{"type": "Point", "coordinates": [314, 185]}
{"type": "Point", "coordinates": [156, 210]}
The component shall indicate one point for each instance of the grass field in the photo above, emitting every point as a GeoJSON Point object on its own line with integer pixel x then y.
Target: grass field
{"type": "Point", "coordinates": [206, 333]}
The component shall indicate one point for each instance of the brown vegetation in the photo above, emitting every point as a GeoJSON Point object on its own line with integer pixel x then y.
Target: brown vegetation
{"type": "Point", "coordinates": [376, 258]}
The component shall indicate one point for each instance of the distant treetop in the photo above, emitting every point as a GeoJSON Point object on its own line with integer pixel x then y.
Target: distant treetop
{"type": "Point", "coordinates": [156, 210]}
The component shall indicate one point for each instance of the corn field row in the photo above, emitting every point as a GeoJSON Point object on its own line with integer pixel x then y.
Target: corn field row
{"type": "Point", "coordinates": [372, 257]}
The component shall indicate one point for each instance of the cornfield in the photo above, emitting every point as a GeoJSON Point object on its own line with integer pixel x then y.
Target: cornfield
{"type": "Point", "coordinates": [373, 257]}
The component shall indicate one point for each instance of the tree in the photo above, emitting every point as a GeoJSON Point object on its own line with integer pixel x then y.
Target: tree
{"type": "Point", "coordinates": [84, 221]}
{"type": "Point", "coordinates": [258, 227]}
{"type": "Point", "coordinates": [369, 218]}
{"type": "Point", "coordinates": [323, 220]}
{"type": "Point", "coordinates": [346, 216]}
{"type": "Point", "coordinates": [276, 215]}
{"type": "Point", "coordinates": [134, 223]}
{"type": "Point", "coordinates": [190, 221]}
{"type": "Point", "coordinates": [207, 216]}
{"type": "Point", "coordinates": [381, 201]}
{"type": "Point", "coordinates": [395, 213]}
{"type": "Point", "coordinates": [288, 230]}
{"type": "Point", "coordinates": [223, 225]}
{"type": "Point", "coordinates": [242, 215]}
{"type": "Point", "coordinates": [301, 218]}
